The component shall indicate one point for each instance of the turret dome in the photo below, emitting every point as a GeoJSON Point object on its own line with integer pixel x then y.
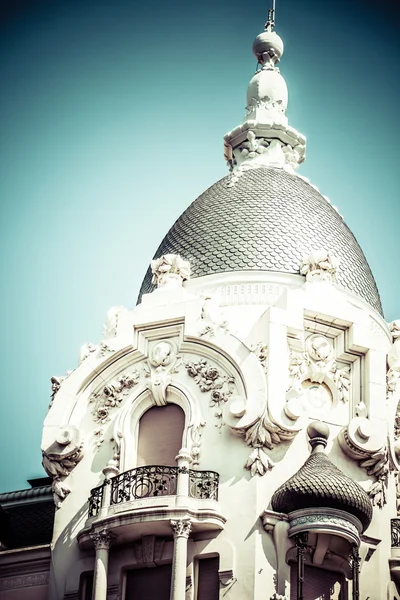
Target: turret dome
{"type": "Point", "coordinates": [266, 219]}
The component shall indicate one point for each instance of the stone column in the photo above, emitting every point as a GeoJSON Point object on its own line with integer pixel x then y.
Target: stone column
{"type": "Point", "coordinates": [355, 567]}
{"type": "Point", "coordinates": [102, 541]}
{"type": "Point", "coordinates": [181, 530]}
{"type": "Point", "coordinates": [182, 487]}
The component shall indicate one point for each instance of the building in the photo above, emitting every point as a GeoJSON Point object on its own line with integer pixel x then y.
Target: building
{"type": "Point", "coordinates": [235, 434]}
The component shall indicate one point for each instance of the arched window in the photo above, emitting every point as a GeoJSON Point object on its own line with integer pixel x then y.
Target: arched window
{"type": "Point", "coordinates": [160, 435]}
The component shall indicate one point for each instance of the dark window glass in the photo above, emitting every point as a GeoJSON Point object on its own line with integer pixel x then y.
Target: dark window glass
{"type": "Point", "coordinates": [149, 583]}
{"type": "Point", "coordinates": [319, 584]}
{"type": "Point", "coordinates": [208, 579]}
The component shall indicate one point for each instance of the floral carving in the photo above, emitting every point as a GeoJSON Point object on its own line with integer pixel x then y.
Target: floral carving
{"type": "Point", "coordinates": [111, 324]}
{"type": "Point", "coordinates": [102, 539]}
{"type": "Point", "coordinates": [212, 318]}
{"type": "Point", "coordinates": [209, 379]}
{"type": "Point", "coordinates": [112, 395]}
{"type": "Point", "coordinates": [320, 265]}
{"type": "Point", "coordinates": [92, 349]}
{"type": "Point", "coordinates": [196, 434]}
{"type": "Point", "coordinates": [265, 104]}
{"type": "Point", "coordinates": [170, 270]}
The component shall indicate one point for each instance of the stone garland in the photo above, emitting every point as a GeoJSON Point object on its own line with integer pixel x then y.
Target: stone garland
{"type": "Point", "coordinates": [111, 396]}
{"type": "Point", "coordinates": [209, 379]}
{"type": "Point", "coordinates": [260, 436]}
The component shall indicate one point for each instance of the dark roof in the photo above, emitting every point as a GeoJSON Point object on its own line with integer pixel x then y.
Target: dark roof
{"type": "Point", "coordinates": [27, 516]}
{"type": "Point", "coordinates": [267, 221]}
{"type": "Point", "coordinates": [319, 483]}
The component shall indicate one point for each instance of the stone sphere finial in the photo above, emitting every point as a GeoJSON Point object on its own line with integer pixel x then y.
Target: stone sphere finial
{"type": "Point", "coordinates": [318, 433]}
{"type": "Point", "coordinates": [268, 47]}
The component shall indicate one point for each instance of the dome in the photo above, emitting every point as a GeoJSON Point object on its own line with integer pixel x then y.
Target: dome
{"type": "Point", "coordinates": [319, 484]}
{"type": "Point", "coordinates": [265, 219]}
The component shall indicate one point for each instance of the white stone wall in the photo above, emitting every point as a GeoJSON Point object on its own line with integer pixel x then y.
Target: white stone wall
{"type": "Point", "coordinates": [263, 356]}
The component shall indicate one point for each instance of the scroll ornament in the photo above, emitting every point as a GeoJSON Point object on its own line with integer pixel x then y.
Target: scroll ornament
{"type": "Point", "coordinates": [393, 374]}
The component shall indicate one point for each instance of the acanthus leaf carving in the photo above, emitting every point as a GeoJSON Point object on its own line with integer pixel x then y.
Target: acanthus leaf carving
{"type": "Point", "coordinates": [261, 352]}
{"type": "Point", "coordinates": [260, 436]}
{"type": "Point", "coordinates": [377, 465]}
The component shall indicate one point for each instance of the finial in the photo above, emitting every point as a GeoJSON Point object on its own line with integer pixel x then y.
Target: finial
{"type": "Point", "coordinates": [318, 433]}
{"type": "Point", "coordinates": [269, 25]}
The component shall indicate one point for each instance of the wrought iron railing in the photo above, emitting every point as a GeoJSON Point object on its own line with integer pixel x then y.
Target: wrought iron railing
{"type": "Point", "coordinates": [144, 482]}
{"type": "Point", "coordinates": [203, 484]}
{"type": "Point", "coordinates": [395, 533]}
{"type": "Point", "coordinates": [152, 481]}
{"type": "Point", "coordinates": [95, 500]}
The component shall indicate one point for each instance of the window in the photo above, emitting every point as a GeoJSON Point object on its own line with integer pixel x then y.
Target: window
{"type": "Point", "coordinates": [319, 584]}
{"type": "Point", "coordinates": [160, 435]}
{"type": "Point", "coordinates": [149, 583]}
{"type": "Point", "coordinates": [208, 578]}
{"type": "Point", "coordinates": [86, 586]}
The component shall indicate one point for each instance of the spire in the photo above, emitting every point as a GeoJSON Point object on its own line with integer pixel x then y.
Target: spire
{"type": "Point", "coordinates": [265, 137]}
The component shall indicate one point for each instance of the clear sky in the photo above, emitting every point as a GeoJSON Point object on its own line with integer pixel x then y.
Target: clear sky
{"type": "Point", "coordinates": [112, 118]}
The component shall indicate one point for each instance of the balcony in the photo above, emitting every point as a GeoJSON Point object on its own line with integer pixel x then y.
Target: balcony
{"type": "Point", "coordinates": [394, 560]}
{"type": "Point", "coordinates": [149, 497]}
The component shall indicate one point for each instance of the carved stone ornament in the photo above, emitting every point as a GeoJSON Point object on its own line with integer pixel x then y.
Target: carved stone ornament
{"type": "Point", "coordinates": [170, 270]}
{"type": "Point", "coordinates": [60, 459]}
{"type": "Point", "coordinates": [263, 434]}
{"type": "Point", "coordinates": [212, 320]}
{"type": "Point", "coordinates": [363, 442]}
{"type": "Point", "coordinates": [163, 361]}
{"type": "Point", "coordinates": [317, 364]}
{"type": "Point", "coordinates": [98, 351]}
{"type": "Point", "coordinates": [111, 396]}
{"type": "Point", "coordinates": [55, 386]}
{"type": "Point", "coordinates": [111, 324]}
{"type": "Point", "coordinates": [102, 540]}
{"type": "Point", "coordinates": [181, 527]}
{"type": "Point", "coordinates": [261, 352]}
{"type": "Point", "coordinates": [320, 265]}
{"type": "Point", "coordinates": [209, 379]}
{"type": "Point", "coordinates": [393, 373]}
{"type": "Point", "coordinates": [265, 103]}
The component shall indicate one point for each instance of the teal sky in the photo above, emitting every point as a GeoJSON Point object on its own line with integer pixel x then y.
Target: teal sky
{"type": "Point", "coordinates": [112, 119]}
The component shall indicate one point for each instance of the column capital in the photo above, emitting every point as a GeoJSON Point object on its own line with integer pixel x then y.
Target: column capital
{"type": "Point", "coordinates": [181, 527]}
{"type": "Point", "coordinates": [103, 539]}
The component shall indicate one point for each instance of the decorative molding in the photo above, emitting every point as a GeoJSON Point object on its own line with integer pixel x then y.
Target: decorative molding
{"type": "Point", "coordinates": [163, 361]}
{"type": "Point", "coordinates": [170, 270]}
{"type": "Point", "coordinates": [261, 352]}
{"type": "Point", "coordinates": [103, 539]}
{"type": "Point", "coordinates": [393, 360]}
{"type": "Point", "coordinates": [212, 319]}
{"type": "Point", "coordinates": [320, 265]}
{"type": "Point", "coordinates": [56, 383]}
{"type": "Point", "coordinates": [259, 436]}
{"type": "Point", "coordinates": [99, 351]}
{"type": "Point", "coordinates": [209, 379]}
{"type": "Point", "coordinates": [196, 434]}
{"type": "Point", "coordinates": [111, 324]}
{"type": "Point", "coordinates": [377, 465]}
{"type": "Point", "coordinates": [265, 103]}
{"type": "Point", "coordinates": [317, 363]}
{"type": "Point", "coordinates": [181, 527]}
{"type": "Point", "coordinates": [23, 581]}
{"type": "Point", "coordinates": [61, 458]}
{"type": "Point", "coordinates": [149, 550]}
{"type": "Point", "coordinates": [327, 520]}
{"type": "Point", "coordinates": [111, 396]}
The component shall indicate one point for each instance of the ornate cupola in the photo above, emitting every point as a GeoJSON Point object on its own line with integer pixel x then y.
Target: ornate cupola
{"type": "Point", "coordinates": [265, 137]}
{"type": "Point", "coordinates": [319, 484]}
{"type": "Point", "coordinates": [327, 512]}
